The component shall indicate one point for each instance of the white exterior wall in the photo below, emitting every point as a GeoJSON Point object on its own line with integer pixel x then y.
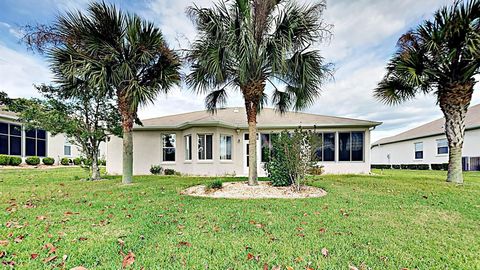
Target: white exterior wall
{"type": "Point", "coordinates": [404, 152]}
{"type": "Point", "coordinates": [147, 151]}
{"type": "Point", "coordinates": [55, 144]}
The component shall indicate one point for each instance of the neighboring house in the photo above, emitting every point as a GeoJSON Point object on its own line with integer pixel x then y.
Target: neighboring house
{"type": "Point", "coordinates": [15, 140]}
{"type": "Point", "coordinates": [427, 144]}
{"type": "Point", "coordinates": [200, 143]}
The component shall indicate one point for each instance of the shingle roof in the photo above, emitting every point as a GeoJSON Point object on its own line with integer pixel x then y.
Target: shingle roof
{"type": "Point", "coordinates": [433, 128]}
{"type": "Point", "coordinates": [236, 118]}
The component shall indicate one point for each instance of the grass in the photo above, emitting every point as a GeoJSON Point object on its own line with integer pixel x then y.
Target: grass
{"type": "Point", "coordinates": [400, 219]}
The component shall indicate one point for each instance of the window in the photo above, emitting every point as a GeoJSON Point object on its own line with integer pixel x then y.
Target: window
{"type": "Point", "coordinates": [442, 146]}
{"type": "Point", "coordinates": [419, 150]}
{"type": "Point", "coordinates": [168, 147]}
{"type": "Point", "coordinates": [10, 139]}
{"type": "Point", "coordinates": [188, 147]}
{"type": "Point", "coordinates": [36, 142]}
{"type": "Point", "coordinates": [205, 147]}
{"type": "Point", "coordinates": [351, 146]}
{"type": "Point", "coordinates": [324, 147]}
{"type": "Point", "coordinates": [225, 147]}
{"type": "Point", "coordinates": [67, 147]}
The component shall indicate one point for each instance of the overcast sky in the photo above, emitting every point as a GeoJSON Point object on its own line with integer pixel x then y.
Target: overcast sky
{"type": "Point", "coordinates": [365, 34]}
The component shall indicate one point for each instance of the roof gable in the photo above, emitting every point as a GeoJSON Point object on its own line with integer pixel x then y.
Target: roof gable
{"type": "Point", "coordinates": [435, 127]}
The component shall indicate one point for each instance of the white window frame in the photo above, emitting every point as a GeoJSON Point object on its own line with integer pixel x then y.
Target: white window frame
{"type": "Point", "coordinates": [188, 147]}
{"type": "Point", "coordinates": [65, 145]}
{"type": "Point", "coordinates": [223, 141]}
{"type": "Point", "coordinates": [204, 146]}
{"type": "Point", "coordinates": [174, 136]}
{"type": "Point", "coordinates": [415, 150]}
{"type": "Point", "coordinates": [446, 145]}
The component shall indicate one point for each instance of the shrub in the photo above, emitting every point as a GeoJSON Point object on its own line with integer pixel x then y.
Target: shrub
{"type": "Point", "coordinates": [87, 162]}
{"type": "Point", "coordinates": [440, 167]}
{"type": "Point", "coordinates": [215, 184]}
{"type": "Point", "coordinates": [32, 160]}
{"type": "Point", "coordinates": [316, 170]}
{"type": "Point", "coordinates": [102, 162]}
{"type": "Point", "coordinates": [77, 161]}
{"type": "Point", "coordinates": [48, 160]}
{"type": "Point", "coordinates": [396, 167]}
{"type": "Point", "coordinates": [15, 161]}
{"type": "Point", "coordinates": [415, 167]}
{"type": "Point", "coordinates": [381, 166]}
{"type": "Point", "coordinates": [156, 169]}
{"type": "Point", "coordinates": [291, 158]}
{"type": "Point", "coordinates": [4, 160]}
{"type": "Point", "coordinates": [169, 171]}
{"type": "Point", "coordinates": [65, 161]}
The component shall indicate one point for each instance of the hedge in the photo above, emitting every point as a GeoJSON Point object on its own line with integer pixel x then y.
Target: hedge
{"type": "Point", "coordinates": [381, 166]}
{"type": "Point", "coordinates": [408, 166]}
{"type": "Point", "coordinates": [440, 167]}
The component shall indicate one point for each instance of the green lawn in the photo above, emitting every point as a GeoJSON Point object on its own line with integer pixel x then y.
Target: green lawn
{"type": "Point", "coordinates": [401, 219]}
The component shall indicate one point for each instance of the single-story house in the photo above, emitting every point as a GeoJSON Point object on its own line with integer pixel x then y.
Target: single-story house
{"type": "Point", "coordinates": [16, 140]}
{"type": "Point", "coordinates": [201, 143]}
{"type": "Point", "coordinates": [427, 144]}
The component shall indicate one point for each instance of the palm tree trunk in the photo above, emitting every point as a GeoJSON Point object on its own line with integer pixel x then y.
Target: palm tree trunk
{"type": "Point", "coordinates": [127, 126]}
{"type": "Point", "coordinates": [252, 144]}
{"type": "Point", "coordinates": [454, 100]}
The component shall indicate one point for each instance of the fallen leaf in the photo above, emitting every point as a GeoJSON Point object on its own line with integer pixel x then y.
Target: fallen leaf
{"type": "Point", "coordinates": [276, 267]}
{"type": "Point", "coordinates": [49, 259]}
{"type": "Point", "coordinates": [3, 242]}
{"type": "Point", "coordinates": [79, 268]}
{"type": "Point", "coordinates": [65, 257]}
{"type": "Point", "coordinates": [325, 252]}
{"type": "Point", "coordinates": [33, 256]}
{"type": "Point", "coordinates": [184, 244]}
{"type": "Point", "coordinates": [250, 256]}
{"type": "Point", "coordinates": [82, 239]}
{"type": "Point", "coordinates": [9, 263]}
{"type": "Point", "coordinates": [322, 230]}
{"type": "Point", "coordinates": [129, 259]}
{"type": "Point", "coordinates": [2, 254]}
{"type": "Point", "coordinates": [352, 267]}
{"type": "Point", "coordinates": [51, 248]}
{"type": "Point", "coordinates": [121, 242]}
{"type": "Point", "coordinates": [19, 239]}
{"type": "Point", "coordinates": [265, 266]}
{"type": "Point", "coordinates": [41, 217]}
{"type": "Point", "coordinates": [289, 268]}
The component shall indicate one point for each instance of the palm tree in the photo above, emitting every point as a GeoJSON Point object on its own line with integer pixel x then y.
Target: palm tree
{"type": "Point", "coordinates": [245, 44]}
{"type": "Point", "coordinates": [120, 55]}
{"type": "Point", "coordinates": [441, 57]}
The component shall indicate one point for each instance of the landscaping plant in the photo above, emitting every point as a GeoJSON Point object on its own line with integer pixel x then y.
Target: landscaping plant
{"type": "Point", "coordinates": [15, 161]}
{"type": "Point", "coordinates": [4, 160]}
{"type": "Point", "coordinates": [441, 57]}
{"type": "Point", "coordinates": [156, 169]}
{"type": "Point", "coordinates": [48, 161]}
{"type": "Point", "coordinates": [169, 172]}
{"type": "Point", "coordinates": [32, 160]}
{"type": "Point", "coordinates": [291, 158]}
{"type": "Point", "coordinates": [65, 161]}
{"type": "Point", "coordinates": [215, 184]}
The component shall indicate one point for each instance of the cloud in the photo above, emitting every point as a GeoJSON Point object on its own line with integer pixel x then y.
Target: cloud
{"type": "Point", "coordinates": [19, 73]}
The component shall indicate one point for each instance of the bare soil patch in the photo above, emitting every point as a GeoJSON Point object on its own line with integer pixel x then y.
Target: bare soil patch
{"type": "Point", "coordinates": [241, 190]}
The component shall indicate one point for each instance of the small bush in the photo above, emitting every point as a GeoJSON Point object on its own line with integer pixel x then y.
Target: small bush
{"type": "Point", "coordinates": [48, 161]}
{"type": "Point", "coordinates": [396, 167]}
{"type": "Point", "coordinates": [87, 162]}
{"type": "Point", "coordinates": [15, 161]}
{"type": "Point", "coordinates": [4, 160]}
{"type": "Point", "coordinates": [32, 160]}
{"type": "Point", "coordinates": [102, 162]}
{"type": "Point", "coordinates": [215, 184]}
{"type": "Point", "coordinates": [440, 167]}
{"type": "Point", "coordinates": [316, 170]}
{"type": "Point", "coordinates": [381, 166]}
{"type": "Point", "coordinates": [77, 161]}
{"type": "Point", "coordinates": [169, 171]}
{"type": "Point", "coordinates": [156, 169]}
{"type": "Point", "coordinates": [65, 161]}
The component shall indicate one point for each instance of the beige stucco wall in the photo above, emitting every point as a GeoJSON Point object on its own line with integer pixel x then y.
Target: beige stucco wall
{"type": "Point", "coordinates": [147, 151]}
{"type": "Point", "coordinates": [404, 152]}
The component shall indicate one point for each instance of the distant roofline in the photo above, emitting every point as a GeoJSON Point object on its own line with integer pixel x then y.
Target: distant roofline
{"type": "Point", "coordinates": [200, 123]}
{"type": "Point", "coordinates": [418, 137]}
